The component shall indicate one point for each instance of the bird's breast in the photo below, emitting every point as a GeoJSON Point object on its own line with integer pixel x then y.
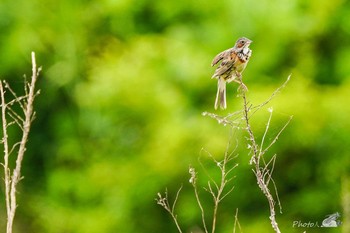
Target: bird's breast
{"type": "Point", "coordinates": [240, 66]}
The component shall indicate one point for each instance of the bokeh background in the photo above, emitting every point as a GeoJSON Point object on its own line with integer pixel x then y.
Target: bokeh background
{"type": "Point", "coordinates": [119, 118]}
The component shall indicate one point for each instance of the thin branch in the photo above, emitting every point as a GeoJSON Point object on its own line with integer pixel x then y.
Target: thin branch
{"type": "Point", "coordinates": [266, 130]}
{"type": "Point", "coordinates": [236, 223]}
{"type": "Point", "coordinates": [26, 86]}
{"type": "Point", "coordinates": [19, 99]}
{"type": "Point", "coordinates": [15, 120]}
{"type": "Point", "coordinates": [262, 170]}
{"type": "Point", "coordinates": [277, 136]}
{"type": "Point", "coordinates": [6, 150]}
{"type": "Point", "coordinates": [227, 193]}
{"type": "Point", "coordinates": [193, 181]}
{"type": "Point", "coordinates": [14, 147]}
{"type": "Point", "coordinates": [257, 107]}
{"type": "Point", "coordinates": [258, 151]}
{"type": "Point", "coordinates": [204, 169]}
{"type": "Point", "coordinates": [267, 172]}
{"type": "Point", "coordinates": [251, 138]}
{"type": "Point", "coordinates": [176, 197]}
{"type": "Point", "coordinates": [219, 193]}
{"type": "Point", "coordinates": [16, 98]}
{"type": "Point", "coordinates": [225, 120]}
{"type": "Point", "coordinates": [277, 196]}
{"type": "Point", "coordinates": [164, 202]}
{"type": "Point", "coordinates": [210, 190]}
{"type": "Point", "coordinates": [25, 102]}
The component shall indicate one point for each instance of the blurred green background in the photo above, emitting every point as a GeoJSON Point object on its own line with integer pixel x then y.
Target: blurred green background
{"type": "Point", "coordinates": [123, 87]}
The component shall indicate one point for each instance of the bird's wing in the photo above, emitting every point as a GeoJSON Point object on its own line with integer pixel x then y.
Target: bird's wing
{"type": "Point", "coordinates": [228, 61]}
{"type": "Point", "coordinates": [219, 57]}
{"type": "Point", "coordinates": [223, 68]}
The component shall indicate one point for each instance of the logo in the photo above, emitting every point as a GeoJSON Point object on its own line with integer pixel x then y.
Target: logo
{"type": "Point", "coordinates": [331, 220]}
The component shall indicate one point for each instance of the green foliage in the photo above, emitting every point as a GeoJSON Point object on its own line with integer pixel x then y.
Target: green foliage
{"type": "Point", "coordinates": [124, 84]}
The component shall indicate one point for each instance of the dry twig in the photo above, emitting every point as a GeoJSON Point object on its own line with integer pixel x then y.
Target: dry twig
{"type": "Point", "coordinates": [237, 223]}
{"type": "Point", "coordinates": [262, 172]}
{"type": "Point", "coordinates": [164, 202]}
{"type": "Point", "coordinates": [22, 120]}
{"type": "Point", "coordinates": [261, 169]}
{"type": "Point", "coordinates": [237, 120]}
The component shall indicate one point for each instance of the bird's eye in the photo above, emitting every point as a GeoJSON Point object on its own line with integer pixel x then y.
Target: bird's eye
{"type": "Point", "coordinates": [242, 41]}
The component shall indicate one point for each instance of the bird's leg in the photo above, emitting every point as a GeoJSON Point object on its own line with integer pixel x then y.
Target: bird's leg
{"type": "Point", "coordinates": [243, 86]}
{"type": "Point", "coordinates": [240, 82]}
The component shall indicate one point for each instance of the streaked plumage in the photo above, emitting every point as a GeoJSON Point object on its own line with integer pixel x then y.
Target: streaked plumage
{"type": "Point", "coordinates": [233, 62]}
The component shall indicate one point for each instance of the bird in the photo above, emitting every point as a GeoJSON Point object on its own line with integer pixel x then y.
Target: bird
{"type": "Point", "coordinates": [233, 62]}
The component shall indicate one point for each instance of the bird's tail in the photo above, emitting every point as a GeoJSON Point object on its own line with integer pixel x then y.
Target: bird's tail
{"type": "Point", "coordinates": [221, 94]}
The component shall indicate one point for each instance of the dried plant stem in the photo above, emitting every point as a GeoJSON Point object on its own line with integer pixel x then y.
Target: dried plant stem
{"type": "Point", "coordinates": [219, 194]}
{"type": "Point", "coordinates": [164, 202]}
{"type": "Point", "coordinates": [24, 123]}
{"type": "Point", "coordinates": [262, 172]}
{"type": "Point", "coordinates": [173, 208]}
{"type": "Point", "coordinates": [217, 189]}
{"type": "Point", "coordinates": [237, 223]}
{"type": "Point", "coordinates": [6, 159]}
{"type": "Point", "coordinates": [255, 159]}
{"type": "Point", "coordinates": [193, 181]}
{"type": "Point", "coordinates": [201, 208]}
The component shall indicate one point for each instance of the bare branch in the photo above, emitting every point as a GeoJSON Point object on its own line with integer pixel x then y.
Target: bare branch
{"type": "Point", "coordinates": [14, 147]}
{"type": "Point", "coordinates": [277, 136]}
{"type": "Point", "coordinates": [236, 223]}
{"type": "Point", "coordinates": [204, 169]}
{"type": "Point", "coordinates": [16, 98]}
{"type": "Point", "coordinates": [231, 169]}
{"type": "Point", "coordinates": [176, 198]}
{"type": "Point", "coordinates": [256, 108]}
{"type": "Point", "coordinates": [164, 202]}
{"type": "Point", "coordinates": [12, 177]}
{"type": "Point", "coordinates": [193, 181]}
{"type": "Point", "coordinates": [266, 130]}
{"type": "Point", "coordinates": [262, 170]}
{"type": "Point", "coordinates": [277, 196]}
{"type": "Point", "coordinates": [6, 150]}
{"type": "Point", "coordinates": [266, 171]}
{"type": "Point", "coordinates": [257, 153]}
{"type": "Point", "coordinates": [227, 193]}
{"type": "Point", "coordinates": [15, 119]}
{"type": "Point", "coordinates": [235, 122]}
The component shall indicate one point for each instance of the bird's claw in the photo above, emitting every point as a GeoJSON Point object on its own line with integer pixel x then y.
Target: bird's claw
{"type": "Point", "coordinates": [243, 87]}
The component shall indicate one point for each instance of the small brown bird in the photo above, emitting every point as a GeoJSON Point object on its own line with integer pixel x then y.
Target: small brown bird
{"type": "Point", "coordinates": [234, 61]}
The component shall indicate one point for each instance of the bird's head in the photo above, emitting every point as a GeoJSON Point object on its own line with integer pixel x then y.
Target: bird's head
{"type": "Point", "coordinates": [242, 43]}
